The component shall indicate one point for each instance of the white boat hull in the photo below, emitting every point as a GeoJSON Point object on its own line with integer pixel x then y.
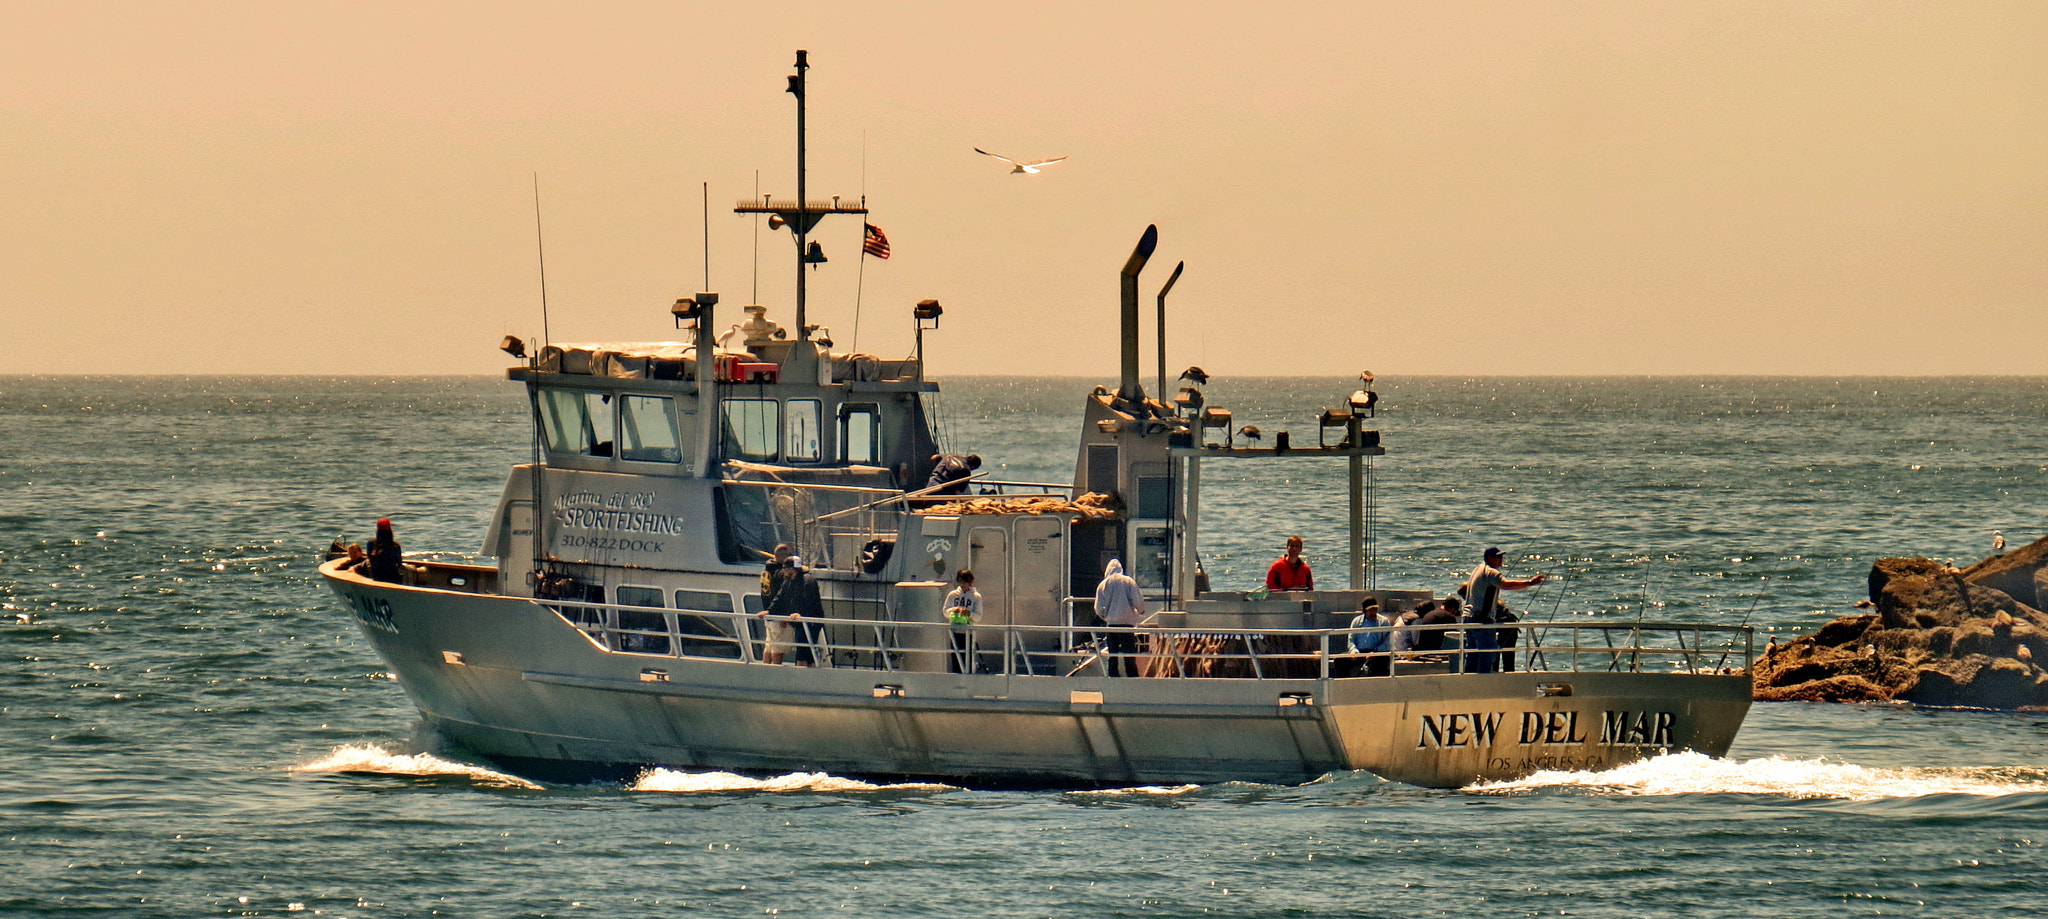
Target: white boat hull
{"type": "Point", "coordinates": [512, 681]}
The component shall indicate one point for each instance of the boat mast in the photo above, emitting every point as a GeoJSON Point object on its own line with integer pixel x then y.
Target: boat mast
{"type": "Point", "coordinates": [803, 223]}
{"type": "Point", "coordinates": [798, 215]}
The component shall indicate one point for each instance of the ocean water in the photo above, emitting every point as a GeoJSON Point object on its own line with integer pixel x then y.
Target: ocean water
{"type": "Point", "coordinates": [190, 726]}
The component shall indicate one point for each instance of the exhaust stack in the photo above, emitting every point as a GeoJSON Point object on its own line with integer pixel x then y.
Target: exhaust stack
{"type": "Point", "coordinates": [1130, 390]}
{"type": "Point", "coordinates": [1160, 327]}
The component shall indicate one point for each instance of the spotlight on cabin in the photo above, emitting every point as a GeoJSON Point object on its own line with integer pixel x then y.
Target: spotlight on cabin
{"type": "Point", "coordinates": [1361, 403]}
{"type": "Point", "coordinates": [686, 310]}
{"type": "Point", "coordinates": [926, 311]}
{"type": "Point", "coordinates": [513, 346]}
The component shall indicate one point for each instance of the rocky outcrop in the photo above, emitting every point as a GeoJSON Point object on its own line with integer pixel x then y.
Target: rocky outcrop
{"type": "Point", "coordinates": [1939, 636]}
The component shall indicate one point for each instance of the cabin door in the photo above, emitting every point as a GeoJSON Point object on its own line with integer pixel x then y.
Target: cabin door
{"type": "Point", "coordinates": [1037, 573]}
{"type": "Point", "coordinates": [989, 557]}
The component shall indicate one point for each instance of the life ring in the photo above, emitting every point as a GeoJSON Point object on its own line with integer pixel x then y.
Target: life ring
{"type": "Point", "coordinates": [875, 555]}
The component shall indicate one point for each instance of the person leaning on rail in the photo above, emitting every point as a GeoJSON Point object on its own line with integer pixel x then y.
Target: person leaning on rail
{"type": "Point", "coordinates": [1375, 642]}
{"type": "Point", "coordinates": [1118, 602]}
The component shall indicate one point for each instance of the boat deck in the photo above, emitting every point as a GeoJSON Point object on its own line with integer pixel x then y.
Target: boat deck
{"type": "Point", "coordinates": [1165, 652]}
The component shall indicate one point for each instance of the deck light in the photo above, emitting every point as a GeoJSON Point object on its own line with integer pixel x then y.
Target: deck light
{"type": "Point", "coordinates": [513, 346]}
{"type": "Point", "coordinates": [1215, 418]}
{"type": "Point", "coordinates": [1340, 419]}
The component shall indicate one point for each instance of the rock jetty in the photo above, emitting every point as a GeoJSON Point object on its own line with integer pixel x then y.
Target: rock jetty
{"type": "Point", "coordinates": [1937, 636]}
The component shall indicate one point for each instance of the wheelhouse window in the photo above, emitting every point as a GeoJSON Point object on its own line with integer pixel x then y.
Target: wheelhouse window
{"type": "Point", "coordinates": [858, 435]}
{"type": "Point", "coordinates": [752, 429]}
{"type": "Point", "coordinates": [647, 430]}
{"type": "Point", "coordinates": [801, 444]}
{"type": "Point", "coordinates": [577, 421]}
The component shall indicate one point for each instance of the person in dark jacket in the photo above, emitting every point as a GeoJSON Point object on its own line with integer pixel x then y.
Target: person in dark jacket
{"type": "Point", "coordinates": [387, 561]}
{"type": "Point", "coordinates": [952, 470]}
{"type": "Point", "coordinates": [775, 634]}
{"type": "Point", "coordinates": [1446, 612]}
{"type": "Point", "coordinates": [798, 598]}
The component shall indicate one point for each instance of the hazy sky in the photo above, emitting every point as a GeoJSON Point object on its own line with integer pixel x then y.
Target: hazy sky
{"type": "Point", "coordinates": [1443, 188]}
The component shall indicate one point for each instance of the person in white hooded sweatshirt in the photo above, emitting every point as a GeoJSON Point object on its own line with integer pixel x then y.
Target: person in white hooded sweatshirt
{"type": "Point", "coordinates": [1118, 602]}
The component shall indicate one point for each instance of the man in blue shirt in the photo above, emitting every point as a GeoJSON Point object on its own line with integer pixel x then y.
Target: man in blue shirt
{"type": "Point", "coordinates": [1374, 644]}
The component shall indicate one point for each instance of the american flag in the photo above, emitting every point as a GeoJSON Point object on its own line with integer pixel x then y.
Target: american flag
{"type": "Point", "coordinates": [873, 242]}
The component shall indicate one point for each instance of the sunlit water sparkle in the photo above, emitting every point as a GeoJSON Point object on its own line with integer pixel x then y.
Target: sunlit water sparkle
{"type": "Point", "coordinates": [192, 726]}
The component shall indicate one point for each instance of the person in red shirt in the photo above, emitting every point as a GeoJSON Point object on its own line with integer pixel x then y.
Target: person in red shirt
{"type": "Point", "coordinates": [1290, 572]}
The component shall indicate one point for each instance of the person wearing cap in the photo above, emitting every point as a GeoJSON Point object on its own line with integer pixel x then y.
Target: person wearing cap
{"type": "Point", "coordinates": [387, 561]}
{"type": "Point", "coordinates": [1289, 571]}
{"type": "Point", "coordinates": [796, 598]}
{"type": "Point", "coordinates": [1483, 589]}
{"type": "Point", "coordinates": [1434, 613]}
{"type": "Point", "coordinates": [1375, 642]}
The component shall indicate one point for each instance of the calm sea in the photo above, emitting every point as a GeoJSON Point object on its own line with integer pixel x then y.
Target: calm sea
{"type": "Point", "coordinates": [190, 726]}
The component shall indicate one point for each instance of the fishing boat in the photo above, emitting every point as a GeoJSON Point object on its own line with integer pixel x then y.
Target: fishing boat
{"type": "Point", "coordinates": [623, 624]}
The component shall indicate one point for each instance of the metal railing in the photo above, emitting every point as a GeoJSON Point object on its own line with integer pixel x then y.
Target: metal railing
{"type": "Point", "coordinates": [1178, 653]}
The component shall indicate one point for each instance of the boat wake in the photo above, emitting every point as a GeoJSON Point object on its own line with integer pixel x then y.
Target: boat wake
{"type": "Point", "coordinates": [670, 781]}
{"type": "Point", "coordinates": [1139, 791]}
{"type": "Point", "coordinates": [1696, 773]}
{"type": "Point", "coordinates": [370, 759]}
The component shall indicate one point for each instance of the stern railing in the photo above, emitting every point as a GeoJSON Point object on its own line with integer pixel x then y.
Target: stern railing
{"type": "Point", "coordinates": [1176, 653]}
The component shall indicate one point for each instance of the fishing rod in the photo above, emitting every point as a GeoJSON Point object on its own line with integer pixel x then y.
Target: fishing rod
{"type": "Point", "coordinates": [1743, 625]}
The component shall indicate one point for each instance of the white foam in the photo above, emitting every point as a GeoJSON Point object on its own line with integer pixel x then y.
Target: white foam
{"type": "Point", "coordinates": [370, 758]}
{"type": "Point", "coordinates": [666, 780]}
{"type": "Point", "coordinates": [1165, 790]}
{"type": "Point", "coordinates": [1696, 773]}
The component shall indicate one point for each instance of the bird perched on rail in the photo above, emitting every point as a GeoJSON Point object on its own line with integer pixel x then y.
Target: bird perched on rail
{"type": "Point", "coordinates": [1197, 374]}
{"type": "Point", "coordinates": [1028, 168]}
{"type": "Point", "coordinates": [1249, 432]}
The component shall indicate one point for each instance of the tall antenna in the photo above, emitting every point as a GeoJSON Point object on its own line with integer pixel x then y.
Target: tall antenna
{"type": "Point", "coordinates": [860, 280]}
{"type": "Point", "coordinates": [541, 249]}
{"type": "Point", "coordinates": [707, 237]}
{"type": "Point", "coordinates": [756, 298]}
{"type": "Point", "coordinates": [539, 485]}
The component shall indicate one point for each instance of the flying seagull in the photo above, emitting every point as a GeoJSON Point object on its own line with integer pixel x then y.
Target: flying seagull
{"type": "Point", "coordinates": [1030, 168]}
